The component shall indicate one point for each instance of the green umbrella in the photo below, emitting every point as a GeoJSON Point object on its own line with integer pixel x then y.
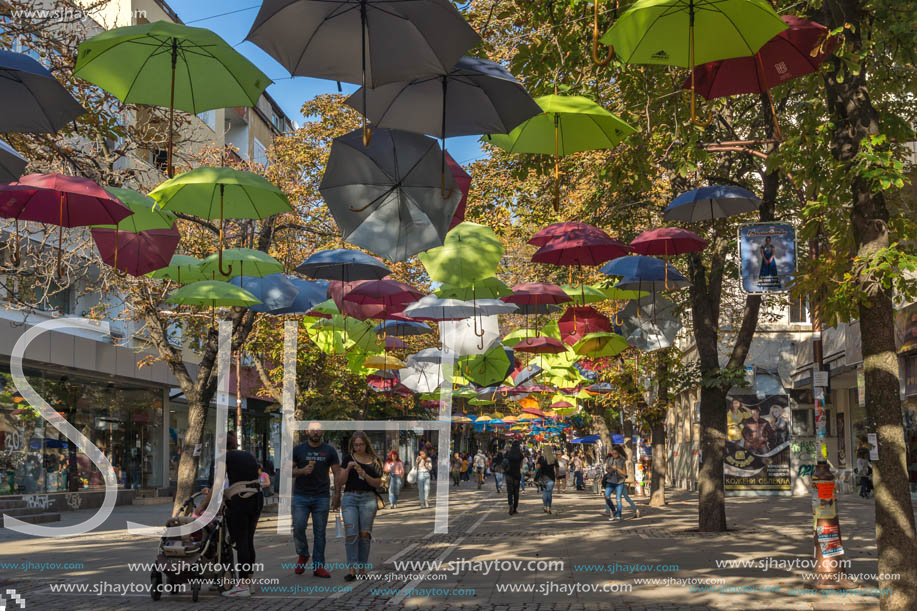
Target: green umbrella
{"type": "Point", "coordinates": [182, 269]}
{"type": "Point", "coordinates": [600, 344]}
{"type": "Point", "coordinates": [480, 402]}
{"type": "Point", "coordinates": [662, 32]}
{"type": "Point", "coordinates": [488, 288]}
{"type": "Point", "coordinates": [326, 307]}
{"type": "Point", "coordinates": [485, 369]}
{"type": "Point", "coordinates": [584, 294]}
{"type": "Point", "coordinates": [569, 124]}
{"type": "Point", "coordinates": [470, 253]}
{"type": "Point", "coordinates": [517, 336]}
{"type": "Point", "coordinates": [242, 262]}
{"type": "Point", "coordinates": [213, 293]}
{"type": "Point", "coordinates": [204, 72]}
{"type": "Point", "coordinates": [221, 193]}
{"type": "Point", "coordinates": [339, 334]}
{"type": "Point", "coordinates": [465, 392]}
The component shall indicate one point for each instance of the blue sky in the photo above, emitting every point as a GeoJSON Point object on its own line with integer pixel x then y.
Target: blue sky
{"type": "Point", "coordinates": [232, 19]}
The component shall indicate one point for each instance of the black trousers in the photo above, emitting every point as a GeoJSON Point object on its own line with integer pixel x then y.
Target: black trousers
{"type": "Point", "coordinates": [512, 490]}
{"type": "Point", "coordinates": [241, 520]}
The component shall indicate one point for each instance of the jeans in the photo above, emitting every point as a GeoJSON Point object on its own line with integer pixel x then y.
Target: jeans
{"type": "Point", "coordinates": [512, 491]}
{"type": "Point", "coordinates": [242, 519]}
{"type": "Point", "coordinates": [423, 486]}
{"type": "Point", "coordinates": [498, 477]}
{"type": "Point", "coordinates": [547, 493]}
{"type": "Point", "coordinates": [359, 510]}
{"type": "Point", "coordinates": [579, 480]}
{"type": "Point", "coordinates": [394, 489]}
{"type": "Point", "coordinates": [318, 506]}
{"type": "Point", "coordinates": [865, 486]}
{"type": "Point", "coordinates": [621, 490]}
{"type": "Point", "coordinates": [609, 490]}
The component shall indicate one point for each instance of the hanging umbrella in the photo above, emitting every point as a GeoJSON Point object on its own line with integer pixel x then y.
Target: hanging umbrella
{"type": "Point", "coordinates": [650, 323]}
{"type": "Point", "coordinates": [383, 361]}
{"type": "Point", "coordinates": [394, 343]}
{"type": "Point", "coordinates": [600, 344]}
{"type": "Point", "coordinates": [540, 345]}
{"type": "Point", "coordinates": [213, 293]}
{"type": "Point", "coordinates": [616, 294]}
{"type": "Point", "coordinates": [534, 411]}
{"type": "Point", "coordinates": [568, 124]}
{"type": "Point", "coordinates": [242, 262]}
{"type": "Point", "coordinates": [344, 265]}
{"type": "Point", "coordinates": [181, 269]}
{"type": "Point", "coordinates": [488, 288]}
{"type": "Point", "coordinates": [559, 231]}
{"type": "Point", "coordinates": [308, 295]}
{"type": "Point", "coordinates": [203, 72]}
{"type": "Point", "coordinates": [386, 293]}
{"type": "Point", "coordinates": [666, 242]}
{"type": "Point", "coordinates": [577, 321]}
{"type": "Point", "coordinates": [136, 253]}
{"type": "Point", "coordinates": [530, 309]}
{"type": "Point", "coordinates": [600, 388]}
{"type": "Point", "coordinates": [526, 374]}
{"type": "Point", "coordinates": [463, 182]}
{"type": "Point", "coordinates": [399, 41]}
{"type": "Point", "coordinates": [421, 377]}
{"type": "Point", "coordinates": [584, 294]}
{"type": "Point", "coordinates": [144, 218]}
{"type": "Point", "coordinates": [640, 273]}
{"type": "Point", "coordinates": [794, 52]}
{"type": "Point", "coordinates": [361, 311]}
{"type": "Point", "coordinates": [382, 384]}
{"type": "Point", "coordinates": [400, 328]}
{"type": "Point", "coordinates": [582, 249]}
{"type": "Point", "coordinates": [431, 307]}
{"type": "Point", "coordinates": [470, 335]}
{"type": "Point", "coordinates": [68, 201]}
{"type": "Point", "coordinates": [427, 355]}
{"type": "Point", "coordinates": [12, 164]}
{"type": "Point", "coordinates": [709, 203]}
{"type": "Point", "coordinates": [274, 291]}
{"type": "Point", "coordinates": [537, 292]}
{"type": "Point", "coordinates": [324, 309]}
{"type": "Point", "coordinates": [487, 368]}
{"type": "Point", "coordinates": [470, 253]}
{"type": "Point", "coordinates": [663, 32]}
{"type": "Point", "coordinates": [338, 334]}
{"type": "Point", "coordinates": [34, 102]}
{"type": "Point", "coordinates": [387, 197]}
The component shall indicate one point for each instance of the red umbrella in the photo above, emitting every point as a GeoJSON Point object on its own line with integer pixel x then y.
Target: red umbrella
{"type": "Point", "coordinates": [463, 182]}
{"type": "Point", "coordinates": [581, 248]}
{"type": "Point", "coordinates": [12, 200]}
{"type": "Point", "coordinates": [69, 201]}
{"type": "Point", "coordinates": [534, 388]}
{"type": "Point", "coordinates": [540, 345]}
{"type": "Point", "coordinates": [786, 56]}
{"type": "Point", "coordinates": [137, 253]}
{"type": "Point", "coordinates": [534, 411]}
{"type": "Point", "coordinates": [579, 321]}
{"type": "Point", "coordinates": [338, 290]}
{"type": "Point", "coordinates": [561, 404]}
{"type": "Point", "coordinates": [562, 230]}
{"type": "Point", "coordinates": [667, 241]}
{"type": "Point", "coordinates": [535, 293]}
{"type": "Point", "coordinates": [387, 293]}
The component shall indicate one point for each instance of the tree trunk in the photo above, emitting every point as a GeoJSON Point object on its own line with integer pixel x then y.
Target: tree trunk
{"type": "Point", "coordinates": [600, 428]}
{"type": "Point", "coordinates": [188, 463]}
{"type": "Point", "coordinates": [657, 482]}
{"type": "Point", "coordinates": [711, 514]}
{"type": "Point", "coordinates": [855, 118]}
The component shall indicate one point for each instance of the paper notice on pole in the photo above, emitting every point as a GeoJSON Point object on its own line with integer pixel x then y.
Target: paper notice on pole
{"type": "Point", "coordinates": [197, 449]}
{"type": "Point", "coordinates": [873, 446]}
{"type": "Point", "coordinates": [821, 379]}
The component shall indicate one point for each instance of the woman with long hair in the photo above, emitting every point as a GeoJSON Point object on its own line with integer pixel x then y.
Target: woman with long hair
{"type": "Point", "coordinates": [395, 469]}
{"type": "Point", "coordinates": [361, 474]}
{"type": "Point", "coordinates": [546, 475]}
{"type": "Point", "coordinates": [423, 464]}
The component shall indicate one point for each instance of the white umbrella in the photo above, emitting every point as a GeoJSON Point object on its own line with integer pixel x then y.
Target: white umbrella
{"type": "Point", "coordinates": [422, 377]}
{"type": "Point", "coordinates": [431, 307]}
{"type": "Point", "coordinates": [473, 335]}
{"type": "Point", "coordinates": [428, 355]}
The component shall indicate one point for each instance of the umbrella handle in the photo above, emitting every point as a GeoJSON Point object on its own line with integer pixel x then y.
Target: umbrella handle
{"type": "Point", "coordinates": [118, 272]}
{"type": "Point", "coordinates": [16, 255]}
{"type": "Point", "coordinates": [595, 38]}
{"type": "Point", "coordinates": [220, 264]}
{"type": "Point", "coordinates": [367, 133]}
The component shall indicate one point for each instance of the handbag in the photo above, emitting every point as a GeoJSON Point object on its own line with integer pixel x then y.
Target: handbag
{"type": "Point", "coordinates": [380, 502]}
{"type": "Point", "coordinates": [412, 476]}
{"type": "Point", "coordinates": [386, 480]}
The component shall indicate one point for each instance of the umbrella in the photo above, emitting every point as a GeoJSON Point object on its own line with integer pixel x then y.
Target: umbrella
{"type": "Point", "coordinates": [487, 368]}
{"type": "Point", "coordinates": [662, 32]}
{"type": "Point", "coordinates": [559, 231]}
{"type": "Point", "coordinates": [586, 250]}
{"type": "Point", "coordinates": [399, 41]}
{"type": "Point", "coordinates": [470, 253]}
{"type": "Point", "coordinates": [568, 124]}
{"type": "Point", "coordinates": [337, 334]}
{"type": "Point", "coordinates": [387, 197]}
{"type": "Point", "coordinates": [145, 217]}
{"type": "Point", "coordinates": [534, 411]}
{"type": "Point", "coordinates": [540, 345]}
{"type": "Point", "coordinates": [136, 253]}
{"type": "Point", "coordinates": [344, 265]}
{"type": "Point", "coordinates": [68, 201]}
{"type": "Point", "coordinates": [600, 344]}
{"type": "Point", "coordinates": [650, 323]}
{"type": "Point", "coordinates": [402, 328]}
{"type": "Point", "coordinates": [587, 439]}
{"type": "Point", "coordinates": [421, 377]}
{"type": "Point", "coordinates": [488, 288]}
{"type": "Point", "coordinates": [213, 293]}
{"type": "Point", "coordinates": [577, 321]}
{"type": "Point", "coordinates": [204, 72]}
{"type": "Point", "coordinates": [12, 164]}
{"type": "Point", "coordinates": [474, 96]}
{"type": "Point", "coordinates": [526, 374]}
{"type": "Point", "coordinates": [324, 309]}
{"type": "Point", "coordinates": [537, 292]}
{"type": "Point", "coordinates": [383, 361]}
{"type": "Point", "coordinates": [393, 343]}
{"type": "Point", "coordinates": [275, 291]}
{"type": "Point", "coordinates": [667, 241]}
{"type": "Point", "coordinates": [794, 52]}
{"type": "Point", "coordinates": [386, 293]}
{"type": "Point", "coordinates": [427, 355]}
{"type": "Point", "coordinates": [640, 272]}
{"type": "Point", "coordinates": [463, 182]}
{"type": "Point", "coordinates": [242, 262]}
{"type": "Point", "coordinates": [221, 193]}
{"type": "Point", "coordinates": [583, 294]}
{"type": "Point", "coordinates": [361, 311]}
{"type": "Point", "coordinates": [34, 101]}
{"type": "Point", "coordinates": [178, 266]}
{"type": "Point", "coordinates": [308, 295]}
{"type": "Point", "coordinates": [600, 388]}
{"type": "Point", "coordinates": [470, 335]}
{"type": "Point", "coordinates": [709, 203]}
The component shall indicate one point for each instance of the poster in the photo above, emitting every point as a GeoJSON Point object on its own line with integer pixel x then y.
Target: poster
{"type": "Point", "coordinates": [841, 439]}
{"type": "Point", "coordinates": [767, 252]}
{"type": "Point", "coordinates": [757, 444]}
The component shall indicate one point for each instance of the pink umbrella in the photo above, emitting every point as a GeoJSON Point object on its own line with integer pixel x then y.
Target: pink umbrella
{"type": "Point", "coordinates": [581, 248]}
{"type": "Point", "coordinates": [561, 230]}
{"type": "Point", "coordinates": [540, 345]}
{"type": "Point", "coordinates": [70, 201]}
{"type": "Point", "coordinates": [667, 241]}
{"type": "Point", "coordinates": [13, 199]}
{"type": "Point", "coordinates": [534, 411]}
{"type": "Point", "coordinates": [463, 182]}
{"type": "Point", "coordinates": [537, 293]}
{"type": "Point", "coordinates": [137, 253]}
{"type": "Point", "coordinates": [579, 321]}
{"type": "Point", "coordinates": [561, 404]}
{"type": "Point", "coordinates": [386, 293]}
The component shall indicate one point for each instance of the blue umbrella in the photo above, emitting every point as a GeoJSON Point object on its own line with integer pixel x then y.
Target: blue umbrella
{"type": "Point", "coordinates": [34, 101]}
{"type": "Point", "coordinates": [586, 439]}
{"type": "Point", "coordinates": [586, 373]}
{"type": "Point", "coordinates": [311, 293]}
{"type": "Point", "coordinates": [343, 264]}
{"type": "Point", "coordinates": [274, 291]}
{"type": "Point", "coordinates": [526, 373]}
{"type": "Point", "coordinates": [644, 274]}
{"type": "Point", "coordinates": [601, 387]}
{"type": "Point", "coordinates": [511, 355]}
{"type": "Point", "coordinates": [708, 203]}
{"type": "Point", "coordinates": [402, 328]}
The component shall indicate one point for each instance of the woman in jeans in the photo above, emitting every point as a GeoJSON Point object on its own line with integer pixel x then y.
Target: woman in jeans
{"type": "Point", "coordinates": [395, 469]}
{"type": "Point", "coordinates": [616, 467]}
{"type": "Point", "coordinates": [424, 467]}
{"type": "Point", "coordinates": [547, 472]}
{"type": "Point", "coordinates": [361, 474]}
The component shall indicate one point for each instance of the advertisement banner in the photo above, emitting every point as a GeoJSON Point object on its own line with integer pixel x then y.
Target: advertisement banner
{"type": "Point", "coordinates": [757, 444]}
{"type": "Point", "coordinates": [767, 252]}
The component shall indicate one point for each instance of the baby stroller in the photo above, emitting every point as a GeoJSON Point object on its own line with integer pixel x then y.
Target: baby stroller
{"type": "Point", "coordinates": [203, 555]}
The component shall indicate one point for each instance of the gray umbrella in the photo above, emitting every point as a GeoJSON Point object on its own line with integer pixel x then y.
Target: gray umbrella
{"type": "Point", "coordinates": [387, 197]}
{"type": "Point", "coordinates": [12, 164]}
{"type": "Point", "coordinates": [310, 294]}
{"type": "Point", "coordinates": [274, 290]}
{"type": "Point", "coordinates": [649, 323]}
{"type": "Point", "coordinates": [33, 101]}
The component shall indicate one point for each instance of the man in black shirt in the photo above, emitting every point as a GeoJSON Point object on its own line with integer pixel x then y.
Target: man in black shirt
{"type": "Point", "coordinates": [512, 474]}
{"type": "Point", "coordinates": [312, 495]}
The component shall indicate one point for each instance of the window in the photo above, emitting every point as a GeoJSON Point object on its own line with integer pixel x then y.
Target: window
{"type": "Point", "coordinates": [799, 311]}
{"type": "Point", "coordinates": [259, 154]}
{"type": "Point", "coordinates": [802, 423]}
{"type": "Point", "coordinates": [209, 117]}
{"type": "Point", "coordinates": [160, 159]}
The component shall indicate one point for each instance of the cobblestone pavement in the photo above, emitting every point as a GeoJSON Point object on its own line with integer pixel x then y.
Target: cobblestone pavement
{"type": "Point", "coordinates": [663, 544]}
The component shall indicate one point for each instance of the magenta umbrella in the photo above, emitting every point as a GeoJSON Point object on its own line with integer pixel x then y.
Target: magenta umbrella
{"type": "Point", "coordinates": [337, 290]}
{"type": "Point", "coordinates": [579, 321]}
{"type": "Point", "coordinates": [535, 293]}
{"type": "Point", "coordinates": [561, 230]}
{"type": "Point", "coordinates": [12, 200]}
{"type": "Point", "coordinates": [463, 182]}
{"type": "Point", "coordinates": [666, 242]}
{"type": "Point", "coordinates": [540, 345]}
{"type": "Point", "coordinates": [137, 253]}
{"type": "Point", "coordinates": [386, 293]}
{"type": "Point", "coordinates": [581, 248]}
{"type": "Point", "coordinates": [794, 52]}
{"type": "Point", "coordinates": [69, 201]}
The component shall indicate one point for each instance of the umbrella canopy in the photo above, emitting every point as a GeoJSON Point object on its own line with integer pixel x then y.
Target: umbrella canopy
{"type": "Point", "coordinates": [12, 164]}
{"type": "Point", "coordinates": [667, 241]}
{"type": "Point", "coordinates": [587, 439]}
{"type": "Point", "coordinates": [463, 182]}
{"type": "Point", "coordinates": [427, 355]}
{"type": "Point", "coordinates": [576, 250]}
{"type": "Point", "coordinates": [600, 344]}
{"type": "Point", "coordinates": [136, 253]}
{"type": "Point", "coordinates": [361, 311]}
{"type": "Point", "coordinates": [383, 361]}
{"type": "Point", "coordinates": [488, 288]}
{"type": "Point", "coordinates": [431, 307]}
{"type": "Point", "coordinates": [308, 295]}
{"type": "Point", "coordinates": [337, 334]}
{"type": "Point", "coordinates": [344, 265]}
{"type": "Point", "coordinates": [578, 321]}
{"type": "Point", "coordinates": [181, 269]}
{"type": "Point", "coordinates": [402, 328]}
{"type": "Point", "coordinates": [394, 343]}
{"type": "Point", "coordinates": [324, 309]}
{"type": "Point", "coordinates": [534, 411]}
{"type": "Point", "coordinates": [470, 253]}
{"type": "Point", "coordinates": [640, 273]}
{"type": "Point", "coordinates": [709, 203]}
{"type": "Point", "coordinates": [559, 231]}
{"type": "Point", "coordinates": [526, 374]}
{"type": "Point", "coordinates": [421, 377]}
{"type": "Point", "coordinates": [537, 293]}
{"type": "Point", "coordinates": [584, 294]}
{"type": "Point", "coordinates": [472, 335]}
{"type": "Point", "coordinates": [242, 262]}
{"type": "Point", "coordinates": [388, 197]}
{"type": "Point", "coordinates": [540, 345]}
{"type": "Point", "coordinates": [145, 215]}
{"type": "Point", "coordinates": [387, 293]}
{"type": "Point", "coordinates": [34, 101]}
{"type": "Point", "coordinates": [275, 291]}
{"type": "Point", "coordinates": [487, 368]}
{"type": "Point", "coordinates": [213, 293]}
{"type": "Point", "coordinates": [650, 323]}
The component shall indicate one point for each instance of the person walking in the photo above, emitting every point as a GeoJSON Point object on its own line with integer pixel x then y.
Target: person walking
{"type": "Point", "coordinates": [864, 472]}
{"type": "Point", "coordinates": [361, 474]}
{"type": "Point", "coordinates": [467, 465]}
{"type": "Point", "coordinates": [512, 472]}
{"type": "Point", "coordinates": [456, 469]}
{"type": "Point", "coordinates": [578, 472]}
{"type": "Point", "coordinates": [546, 476]}
{"type": "Point", "coordinates": [423, 464]}
{"type": "Point", "coordinates": [497, 468]}
{"type": "Point", "coordinates": [312, 461]}
{"type": "Point", "coordinates": [395, 469]}
{"type": "Point", "coordinates": [617, 478]}
{"type": "Point", "coordinates": [480, 464]}
{"type": "Point", "coordinates": [563, 467]}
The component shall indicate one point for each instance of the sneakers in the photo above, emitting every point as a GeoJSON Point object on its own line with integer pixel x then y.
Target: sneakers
{"type": "Point", "coordinates": [612, 517]}
{"type": "Point", "coordinates": [301, 562]}
{"type": "Point", "coordinates": [238, 591]}
{"type": "Point", "coordinates": [321, 572]}
{"type": "Point", "coordinates": [636, 513]}
{"type": "Point", "coordinates": [606, 513]}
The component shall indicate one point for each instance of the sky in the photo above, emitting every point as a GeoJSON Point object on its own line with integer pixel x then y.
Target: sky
{"type": "Point", "coordinates": [232, 19]}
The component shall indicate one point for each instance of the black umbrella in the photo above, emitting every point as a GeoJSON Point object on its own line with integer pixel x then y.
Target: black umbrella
{"type": "Point", "coordinates": [399, 41]}
{"type": "Point", "coordinates": [33, 101]}
{"type": "Point", "coordinates": [12, 163]}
